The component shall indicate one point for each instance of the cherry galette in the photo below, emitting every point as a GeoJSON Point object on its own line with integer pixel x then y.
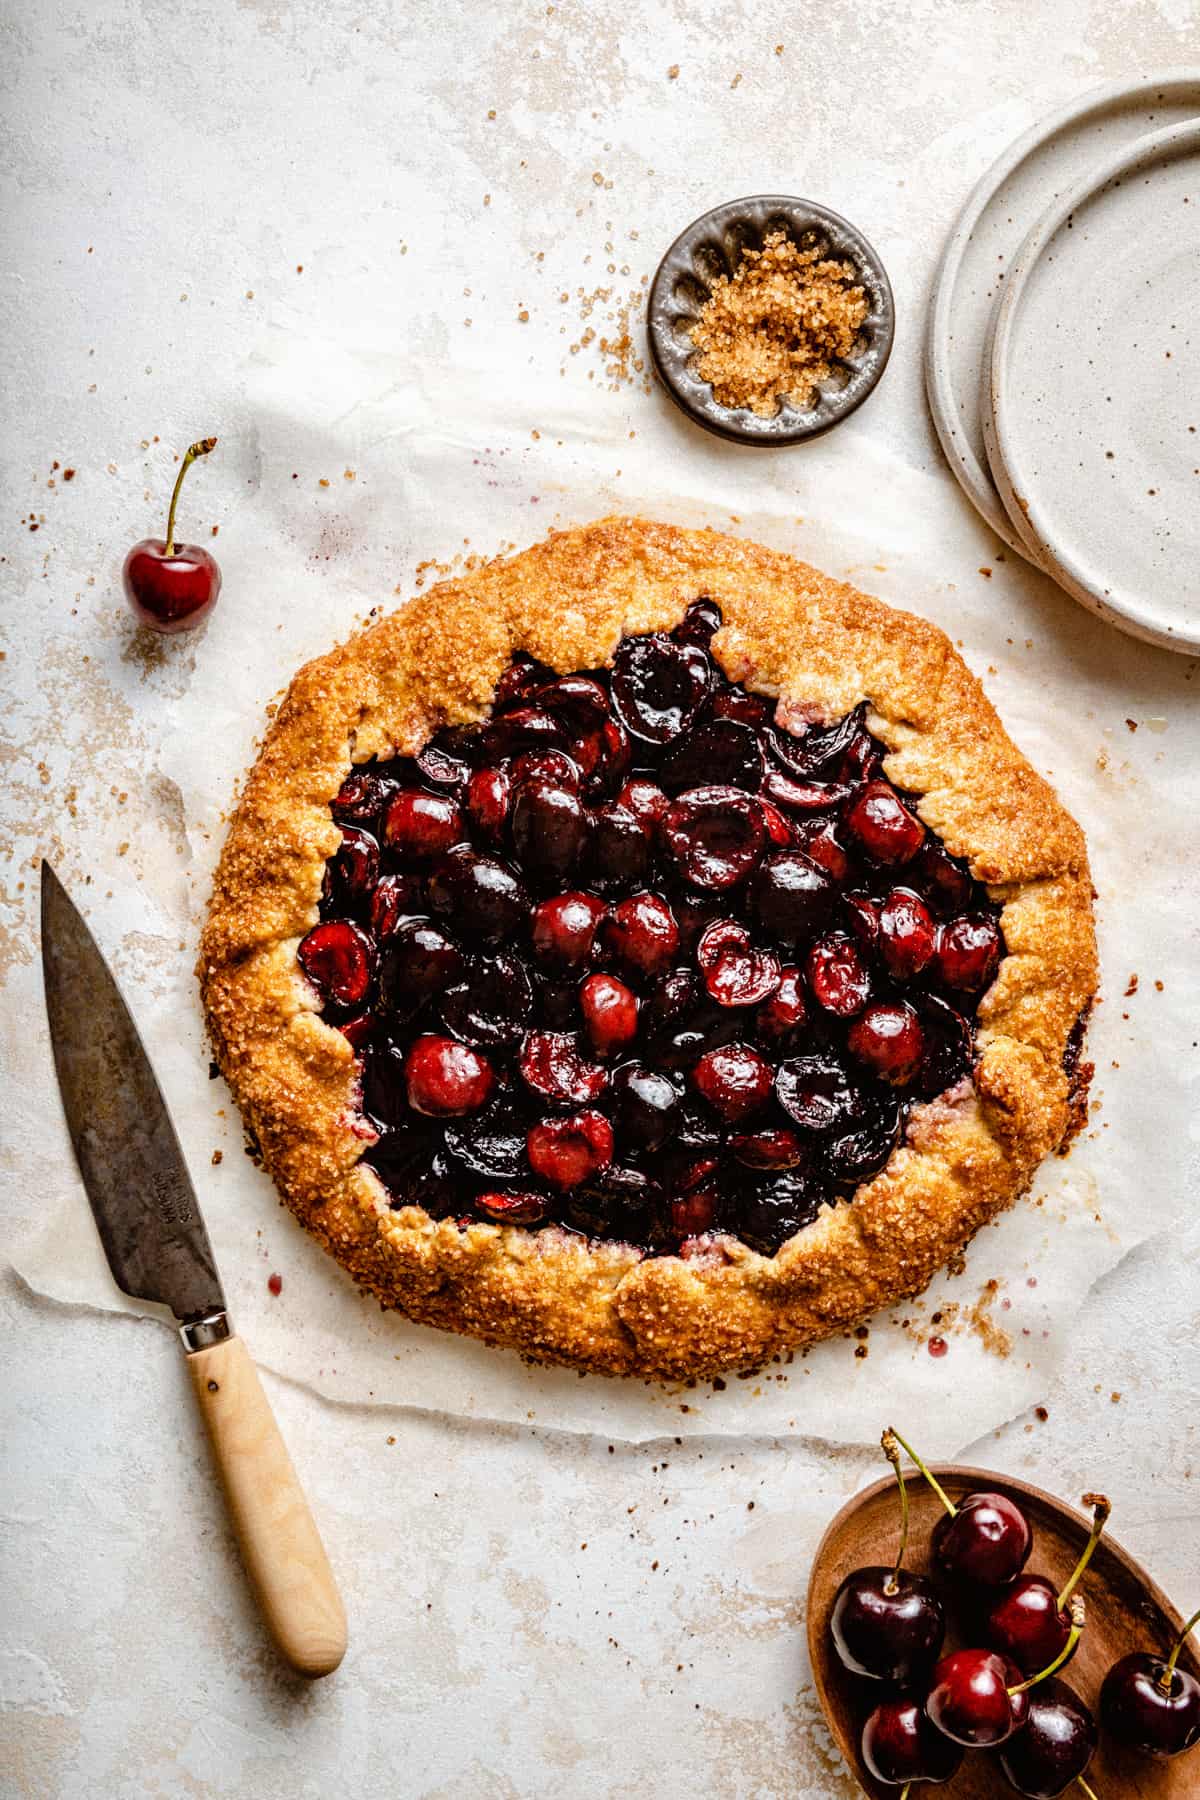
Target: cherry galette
{"type": "Point", "coordinates": [632, 959]}
{"type": "Point", "coordinates": [685, 1013]}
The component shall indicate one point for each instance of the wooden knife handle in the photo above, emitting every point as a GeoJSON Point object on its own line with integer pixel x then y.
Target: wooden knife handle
{"type": "Point", "coordinates": [281, 1548]}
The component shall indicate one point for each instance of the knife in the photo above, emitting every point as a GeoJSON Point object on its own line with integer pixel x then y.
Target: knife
{"type": "Point", "coordinates": [157, 1248]}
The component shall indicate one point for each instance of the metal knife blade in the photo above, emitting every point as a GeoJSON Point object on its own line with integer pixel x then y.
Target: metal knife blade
{"type": "Point", "coordinates": [129, 1156]}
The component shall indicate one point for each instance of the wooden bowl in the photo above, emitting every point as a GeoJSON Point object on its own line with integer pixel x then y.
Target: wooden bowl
{"type": "Point", "coordinates": [1126, 1611]}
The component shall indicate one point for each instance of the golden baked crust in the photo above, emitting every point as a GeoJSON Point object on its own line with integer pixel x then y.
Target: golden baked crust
{"type": "Point", "coordinates": [789, 631]}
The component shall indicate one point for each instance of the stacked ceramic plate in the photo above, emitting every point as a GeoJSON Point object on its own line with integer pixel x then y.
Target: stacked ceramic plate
{"type": "Point", "coordinates": [1063, 352]}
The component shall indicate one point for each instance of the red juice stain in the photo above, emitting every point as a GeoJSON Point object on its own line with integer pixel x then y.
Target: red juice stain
{"type": "Point", "coordinates": [1031, 1281]}
{"type": "Point", "coordinates": [275, 1284]}
{"type": "Point", "coordinates": [937, 1346]}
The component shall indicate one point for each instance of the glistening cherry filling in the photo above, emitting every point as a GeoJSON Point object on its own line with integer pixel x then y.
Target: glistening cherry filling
{"type": "Point", "coordinates": [634, 960]}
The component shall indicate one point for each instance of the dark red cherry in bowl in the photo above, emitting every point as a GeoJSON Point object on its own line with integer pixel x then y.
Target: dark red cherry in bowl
{"type": "Point", "coordinates": [1057, 1744]}
{"type": "Point", "coordinates": [1030, 1621]}
{"type": "Point", "coordinates": [172, 587]}
{"type": "Point", "coordinates": [900, 1746]}
{"type": "Point", "coordinates": [887, 1624]}
{"type": "Point", "coordinates": [1150, 1703]}
{"type": "Point", "coordinates": [986, 1539]}
{"type": "Point", "coordinates": [975, 1698]}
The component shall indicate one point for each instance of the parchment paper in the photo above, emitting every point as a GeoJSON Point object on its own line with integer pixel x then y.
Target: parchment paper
{"type": "Point", "coordinates": [423, 461]}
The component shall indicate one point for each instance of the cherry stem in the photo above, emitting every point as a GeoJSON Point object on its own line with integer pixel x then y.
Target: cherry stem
{"type": "Point", "coordinates": [1075, 1607]}
{"type": "Point", "coordinates": [200, 448]}
{"type": "Point", "coordinates": [1101, 1509]}
{"type": "Point", "coordinates": [907, 1789]}
{"type": "Point", "coordinates": [933, 1482]}
{"type": "Point", "coordinates": [1167, 1678]}
{"type": "Point", "coordinates": [1089, 1791]}
{"type": "Point", "coordinates": [891, 1449]}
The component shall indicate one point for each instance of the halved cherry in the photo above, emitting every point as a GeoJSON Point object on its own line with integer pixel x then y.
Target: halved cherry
{"type": "Point", "coordinates": [882, 826]}
{"type": "Point", "coordinates": [888, 1040]}
{"type": "Point", "coordinates": [564, 929]}
{"type": "Point", "coordinates": [617, 1203]}
{"type": "Point", "coordinates": [838, 975]}
{"type": "Point", "coordinates": [803, 796]}
{"type": "Point", "coordinates": [362, 797]}
{"type": "Point", "coordinates": [445, 1079]}
{"type": "Point", "coordinates": [480, 896]}
{"type": "Point", "coordinates": [418, 962]}
{"type": "Point", "coordinates": [351, 874]}
{"type": "Point", "coordinates": [773, 1147]}
{"type": "Point", "coordinates": [817, 749]}
{"type": "Point", "coordinates": [578, 700]}
{"type": "Point", "coordinates": [642, 933]}
{"type": "Point", "coordinates": [610, 1014]}
{"type": "Point", "coordinates": [968, 952]}
{"type": "Point", "coordinates": [861, 760]}
{"type": "Point", "coordinates": [734, 1079]}
{"type": "Point", "coordinates": [646, 1102]}
{"type": "Point", "coordinates": [946, 1057]}
{"type": "Point", "coordinates": [511, 1209]}
{"type": "Point", "coordinates": [735, 972]}
{"type": "Point", "coordinates": [748, 709]}
{"type": "Point", "coordinates": [861, 1152]}
{"type": "Point", "coordinates": [778, 1206]}
{"type": "Point", "coordinates": [779, 829]}
{"type": "Point", "coordinates": [550, 827]}
{"type": "Point", "coordinates": [524, 728]}
{"type": "Point", "coordinates": [781, 1019]}
{"type": "Point", "coordinates": [490, 1144]}
{"type": "Point", "coordinates": [566, 1152]}
{"type": "Point", "coordinates": [492, 1005]}
{"type": "Point", "coordinates": [645, 800]}
{"type": "Point", "coordinates": [396, 897]}
{"type": "Point", "coordinates": [945, 883]}
{"type": "Point", "coordinates": [339, 960]}
{"type": "Point", "coordinates": [791, 896]}
{"type": "Point", "coordinates": [659, 686]}
{"type": "Point", "coordinates": [521, 680]}
{"type": "Point", "coordinates": [716, 835]}
{"type": "Point", "coordinates": [551, 765]}
{"type": "Point", "coordinates": [700, 623]}
{"type": "Point", "coordinates": [618, 853]}
{"type": "Point", "coordinates": [604, 755]}
{"type": "Point", "coordinates": [721, 753]}
{"type": "Point", "coordinates": [418, 827]}
{"type": "Point", "coordinates": [815, 1092]}
{"type": "Point", "coordinates": [551, 1066]}
{"type": "Point", "coordinates": [489, 795]}
{"type": "Point", "coordinates": [817, 837]}
{"type": "Point", "coordinates": [906, 934]}
{"type": "Point", "coordinates": [442, 761]}
{"type": "Point", "coordinates": [862, 916]}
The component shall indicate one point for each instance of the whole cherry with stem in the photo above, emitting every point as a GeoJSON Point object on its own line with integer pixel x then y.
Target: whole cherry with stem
{"type": "Point", "coordinates": [978, 1698]}
{"type": "Point", "coordinates": [172, 587]}
{"type": "Point", "coordinates": [985, 1538]}
{"type": "Point", "coordinates": [900, 1747]}
{"type": "Point", "coordinates": [1152, 1704]}
{"type": "Point", "coordinates": [1029, 1621]}
{"type": "Point", "coordinates": [1058, 1742]}
{"type": "Point", "coordinates": [888, 1623]}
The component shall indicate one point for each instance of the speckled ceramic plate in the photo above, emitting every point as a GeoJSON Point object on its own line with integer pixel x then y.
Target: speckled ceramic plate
{"type": "Point", "coordinates": [1094, 370]}
{"type": "Point", "coordinates": [1006, 202]}
{"type": "Point", "coordinates": [712, 246]}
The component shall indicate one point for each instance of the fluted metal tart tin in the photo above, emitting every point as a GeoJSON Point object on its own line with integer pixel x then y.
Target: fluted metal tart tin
{"type": "Point", "coordinates": [712, 246]}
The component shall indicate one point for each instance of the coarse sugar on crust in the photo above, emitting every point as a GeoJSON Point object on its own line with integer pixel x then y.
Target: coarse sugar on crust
{"type": "Point", "coordinates": [821, 648]}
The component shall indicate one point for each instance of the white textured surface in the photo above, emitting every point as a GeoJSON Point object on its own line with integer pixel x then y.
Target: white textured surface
{"type": "Point", "coordinates": [207, 151]}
